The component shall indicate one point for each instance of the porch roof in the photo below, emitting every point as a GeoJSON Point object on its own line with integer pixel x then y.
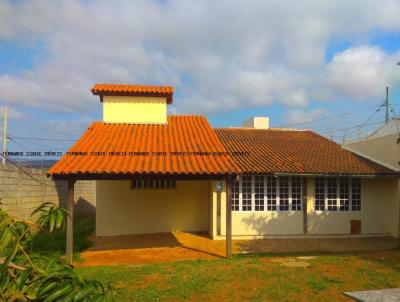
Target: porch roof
{"type": "Point", "coordinates": [186, 145]}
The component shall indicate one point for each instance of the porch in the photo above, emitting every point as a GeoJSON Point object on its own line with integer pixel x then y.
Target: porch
{"type": "Point", "coordinates": [179, 246]}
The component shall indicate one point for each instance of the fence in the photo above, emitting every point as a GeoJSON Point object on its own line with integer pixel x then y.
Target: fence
{"type": "Point", "coordinates": [23, 190]}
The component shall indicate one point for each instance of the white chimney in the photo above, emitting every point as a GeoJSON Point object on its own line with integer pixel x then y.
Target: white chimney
{"type": "Point", "coordinates": [256, 122]}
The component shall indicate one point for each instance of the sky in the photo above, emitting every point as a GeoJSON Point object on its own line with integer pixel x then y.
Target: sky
{"type": "Point", "coordinates": [322, 65]}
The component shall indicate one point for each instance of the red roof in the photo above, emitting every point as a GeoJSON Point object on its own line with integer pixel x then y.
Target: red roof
{"type": "Point", "coordinates": [293, 152]}
{"type": "Point", "coordinates": [185, 145]}
{"type": "Point", "coordinates": [133, 90]}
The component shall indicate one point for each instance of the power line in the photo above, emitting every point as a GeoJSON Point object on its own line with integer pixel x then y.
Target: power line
{"type": "Point", "coordinates": [368, 120]}
{"type": "Point", "coordinates": [330, 117]}
{"type": "Point", "coordinates": [24, 171]}
{"type": "Point", "coordinates": [45, 139]}
{"type": "Point", "coordinates": [357, 126]}
{"type": "Point", "coordinates": [38, 144]}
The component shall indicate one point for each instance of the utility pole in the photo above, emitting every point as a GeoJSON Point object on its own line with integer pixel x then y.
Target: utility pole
{"type": "Point", "coordinates": [386, 104]}
{"type": "Point", "coordinates": [3, 159]}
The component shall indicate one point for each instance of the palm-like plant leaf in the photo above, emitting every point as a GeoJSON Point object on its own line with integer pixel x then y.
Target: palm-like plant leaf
{"type": "Point", "coordinates": [39, 278]}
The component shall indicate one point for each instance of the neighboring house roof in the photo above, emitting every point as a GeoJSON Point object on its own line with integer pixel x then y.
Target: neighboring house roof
{"type": "Point", "coordinates": [293, 152]}
{"type": "Point", "coordinates": [133, 90]}
{"type": "Point", "coordinates": [389, 128]}
{"type": "Point", "coordinates": [190, 136]}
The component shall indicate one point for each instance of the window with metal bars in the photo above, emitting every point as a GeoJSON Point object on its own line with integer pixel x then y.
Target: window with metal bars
{"type": "Point", "coordinates": [335, 194]}
{"type": "Point", "coordinates": [296, 193]}
{"type": "Point", "coordinates": [267, 193]}
{"type": "Point", "coordinates": [271, 193]}
{"type": "Point", "coordinates": [355, 195]}
{"type": "Point", "coordinates": [332, 194]}
{"type": "Point", "coordinates": [235, 195]}
{"type": "Point", "coordinates": [150, 183]}
{"type": "Point", "coordinates": [319, 194]}
{"type": "Point", "coordinates": [259, 193]}
{"type": "Point", "coordinates": [344, 197]}
{"type": "Point", "coordinates": [246, 192]}
{"type": "Point", "coordinates": [283, 194]}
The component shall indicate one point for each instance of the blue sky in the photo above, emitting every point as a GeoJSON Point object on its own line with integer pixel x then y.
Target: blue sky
{"type": "Point", "coordinates": [229, 61]}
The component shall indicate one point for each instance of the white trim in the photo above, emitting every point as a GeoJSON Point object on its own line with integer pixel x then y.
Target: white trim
{"type": "Point", "coordinates": [350, 192]}
{"type": "Point", "coordinates": [277, 193]}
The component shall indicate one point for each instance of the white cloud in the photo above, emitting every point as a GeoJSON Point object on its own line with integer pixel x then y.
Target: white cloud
{"type": "Point", "coordinates": [219, 55]}
{"type": "Point", "coordinates": [362, 72]}
{"type": "Point", "coordinates": [293, 117]}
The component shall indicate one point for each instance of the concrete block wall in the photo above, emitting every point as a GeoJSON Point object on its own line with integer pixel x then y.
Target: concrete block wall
{"type": "Point", "coordinates": [21, 193]}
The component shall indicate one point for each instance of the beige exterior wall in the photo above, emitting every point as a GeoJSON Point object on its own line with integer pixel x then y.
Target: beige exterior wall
{"type": "Point", "coordinates": [121, 210]}
{"type": "Point", "coordinates": [134, 109]}
{"type": "Point", "coordinates": [384, 150]}
{"type": "Point", "coordinates": [379, 215]}
{"type": "Point", "coordinates": [379, 211]}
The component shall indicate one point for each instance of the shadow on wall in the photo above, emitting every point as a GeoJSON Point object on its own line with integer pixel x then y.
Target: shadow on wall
{"type": "Point", "coordinates": [85, 204]}
{"type": "Point", "coordinates": [291, 222]}
{"type": "Point", "coordinates": [283, 223]}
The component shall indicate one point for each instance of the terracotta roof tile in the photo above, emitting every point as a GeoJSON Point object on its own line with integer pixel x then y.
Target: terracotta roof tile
{"type": "Point", "coordinates": [301, 152]}
{"type": "Point", "coordinates": [184, 139]}
{"type": "Point", "coordinates": [134, 90]}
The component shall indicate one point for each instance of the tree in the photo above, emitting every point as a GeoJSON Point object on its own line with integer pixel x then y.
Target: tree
{"type": "Point", "coordinates": [25, 276]}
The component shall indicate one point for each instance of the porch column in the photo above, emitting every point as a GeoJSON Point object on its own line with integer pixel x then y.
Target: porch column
{"type": "Point", "coordinates": [70, 221]}
{"type": "Point", "coordinates": [228, 218]}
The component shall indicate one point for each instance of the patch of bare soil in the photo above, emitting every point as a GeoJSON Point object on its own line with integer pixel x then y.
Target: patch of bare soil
{"type": "Point", "coordinates": [140, 256]}
{"type": "Point", "coordinates": [318, 245]}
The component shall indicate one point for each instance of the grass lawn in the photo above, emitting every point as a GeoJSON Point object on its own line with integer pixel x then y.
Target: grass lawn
{"type": "Point", "coordinates": [244, 278]}
{"type": "Point", "coordinates": [252, 278]}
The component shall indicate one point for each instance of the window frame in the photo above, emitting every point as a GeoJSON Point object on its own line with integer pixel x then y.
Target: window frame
{"type": "Point", "coordinates": [341, 206]}
{"type": "Point", "coordinates": [271, 187]}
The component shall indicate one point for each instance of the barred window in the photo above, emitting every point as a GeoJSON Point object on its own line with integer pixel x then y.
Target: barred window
{"type": "Point", "coordinates": [355, 195]}
{"type": "Point", "coordinates": [319, 194]}
{"type": "Point", "coordinates": [259, 193]}
{"type": "Point", "coordinates": [235, 195]}
{"type": "Point", "coordinates": [344, 201]}
{"type": "Point", "coordinates": [332, 194]}
{"type": "Point", "coordinates": [284, 194]}
{"type": "Point", "coordinates": [150, 183]}
{"type": "Point", "coordinates": [271, 193]}
{"type": "Point", "coordinates": [296, 194]}
{"type": "Point", "coordinates": [246, 193]}
{"type": "Point", "coordinates": [267, 193]}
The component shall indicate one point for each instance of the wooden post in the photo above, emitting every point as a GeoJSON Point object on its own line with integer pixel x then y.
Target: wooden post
{"type": "Point", "coordinates": [304, 200]}
{"type": "Point", "coordinates": [228, 218]}
{"type": "Point", "coordinates": [70, 222]}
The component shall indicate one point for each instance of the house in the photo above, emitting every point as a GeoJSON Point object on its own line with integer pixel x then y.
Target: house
{"type": "Point", "coordinates": [381, 146]}
{"type": "Point", "coordinates": [157, 173]}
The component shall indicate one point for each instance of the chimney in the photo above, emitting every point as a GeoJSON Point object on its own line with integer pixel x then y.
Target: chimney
{"type": "Point", "coordinates": [257, 122]}
{"type": "Point", "coordinates": [135, 104]}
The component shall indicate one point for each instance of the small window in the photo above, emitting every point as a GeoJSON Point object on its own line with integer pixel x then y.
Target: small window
{"type": "Point", "coordinates": [235, 197]}
{"type": "Point", "coordinates": [355, 194]}
{"type": "Point", "coordinates": [319, 194]}
{"type": "Point", "coordinates": [296, 194]}
{"type": "Point", "coordinates": [259, 193]}
{"type": "Point", "coordinates": [344, 200]}
{"type": "Point", "coordinates": [246, 193]}
{"type": "Point", "coordinates": [147, 183]}
{"type": "Point", "coordinates": [283, 194]}
{"type": "Point", "coordinates": [271, 193]}
{"type": "Point", "coordinates": [332, 194]}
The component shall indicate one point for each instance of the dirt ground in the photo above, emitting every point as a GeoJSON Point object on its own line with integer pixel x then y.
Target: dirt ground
{"type": "Point", "coordinates": [177, 246]}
